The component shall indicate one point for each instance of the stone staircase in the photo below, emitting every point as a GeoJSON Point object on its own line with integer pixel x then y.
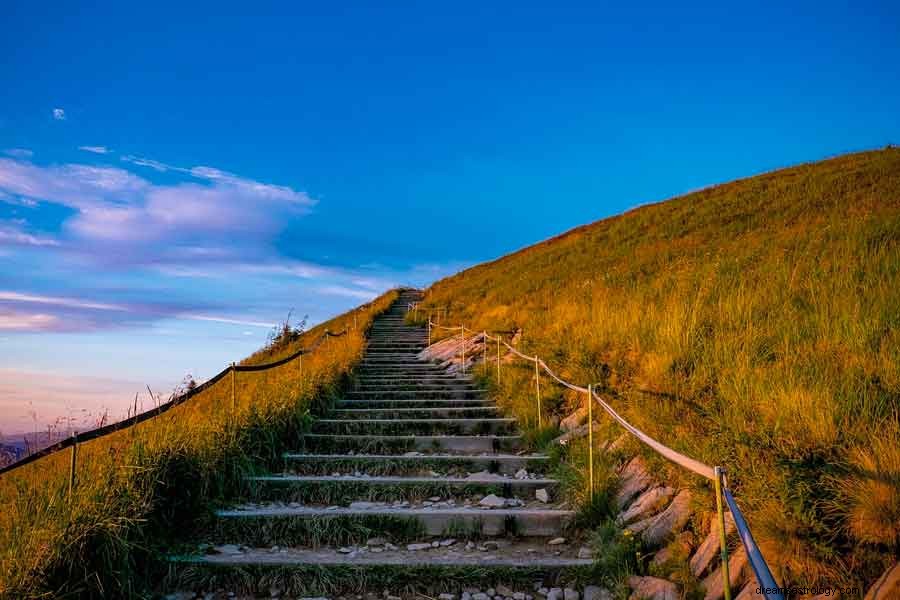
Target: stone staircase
{"type": "Point", "coordinates": [412, 483]}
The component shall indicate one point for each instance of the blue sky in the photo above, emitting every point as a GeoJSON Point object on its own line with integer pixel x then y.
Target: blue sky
{"type": "Point", "coordinates": [175, 178]}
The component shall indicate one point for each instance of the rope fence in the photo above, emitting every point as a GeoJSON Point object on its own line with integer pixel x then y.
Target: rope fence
{"type": "Point", "coordinates": [715, 474]}
{"type": "Point", "coordinates": [232, 369]}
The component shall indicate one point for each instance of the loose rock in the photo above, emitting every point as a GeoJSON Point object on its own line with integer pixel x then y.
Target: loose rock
{"type": "Point", "coordinates": [594, 592]}
{"type": "Point", "coordinates": [492, 501]}
{"type": "Point", "coordinates": [556, 542]}
{"type": "Point", "coordinates": [652, 588]}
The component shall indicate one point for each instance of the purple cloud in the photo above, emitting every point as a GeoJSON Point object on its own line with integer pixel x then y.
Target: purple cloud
{"type": "Point", "coordinates": [145, 220]}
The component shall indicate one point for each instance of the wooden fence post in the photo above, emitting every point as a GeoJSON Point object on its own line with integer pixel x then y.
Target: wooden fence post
{"type": "Point", "coordinates": [72, 464]}
{"type": "Point", "coordinates": [537, 391]}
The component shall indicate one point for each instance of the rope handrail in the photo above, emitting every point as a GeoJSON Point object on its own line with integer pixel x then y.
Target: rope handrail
{"type": "Point", "coordinates": [757, 562]}
{"type": "Point", "coordinates": [153, 412]}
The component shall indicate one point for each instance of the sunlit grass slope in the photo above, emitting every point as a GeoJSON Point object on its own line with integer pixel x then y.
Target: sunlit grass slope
{"type": "Point", "coordinates": [139, 488]}
{"type": "Point", "coordinates": [755, 325]}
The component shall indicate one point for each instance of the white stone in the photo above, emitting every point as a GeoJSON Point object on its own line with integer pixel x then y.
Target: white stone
{"type": "Point", "coordinates": [570, 594]}
{"type": "Point", "coordinates": [555, 594]}
{"type": "Point", "coordinates": [522, 474]}
{"type": "Point", "coordinates": [593, 592]}
{"type": "Point", "coordinates": [585, 553]}
{"type": "Point", "coordinates": [492, 501]}
{"type": "Point", "coordinates": [417, 547]}
{"type": "Point", "coordinates": [556, 542]}
{"type": "Point", "coordinates": [542, 495]}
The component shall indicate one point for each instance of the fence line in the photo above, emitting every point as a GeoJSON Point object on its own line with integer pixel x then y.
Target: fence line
{"type": "Point", "coordinates": [87, 436]}
{"type": "Point", "coordinates": [715, 474]}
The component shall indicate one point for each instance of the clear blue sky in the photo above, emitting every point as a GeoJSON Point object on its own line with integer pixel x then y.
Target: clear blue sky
{"type": "Point", "coordinates": [176, 177]}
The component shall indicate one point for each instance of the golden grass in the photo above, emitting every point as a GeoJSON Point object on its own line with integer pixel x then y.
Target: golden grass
{"type": "Point", "coordinates": [139, 487]}
{"type": "Point", "coordinates": [754, 325]}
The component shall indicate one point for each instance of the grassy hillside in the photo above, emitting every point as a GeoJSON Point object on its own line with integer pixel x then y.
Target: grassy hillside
{"type": "Point", "coordinates": [755, 325]}
{"type": "Point", "coordinates": [137, 487]}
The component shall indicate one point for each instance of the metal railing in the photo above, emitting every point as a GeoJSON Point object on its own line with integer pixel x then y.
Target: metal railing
{"type": "Point", "coordinates": [715, 474]}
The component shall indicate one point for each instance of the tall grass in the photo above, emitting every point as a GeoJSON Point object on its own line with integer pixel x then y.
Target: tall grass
{"type": "Point", "coordinates": [138, 491]}
{"type": "Point", "coordinates": [754, 325]}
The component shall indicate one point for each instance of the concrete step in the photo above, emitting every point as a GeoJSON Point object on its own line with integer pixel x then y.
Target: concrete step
{"type": "Point", "coordinates": [398, 444]}
{"type": "Point", "coordinates": [414, 426]}
{"type": "Point", "coordinates": [449, 522]}
{"type": "Point", "coordinates": [530, 555]}
{"type": "Point", "coordinates": [419, 386]}
{"type": "Point", "coordinates": [465, 412]}
{"type": "Point", "coordinates": [346, 489]}
{"type": "Point", "coordinates": [426, 403]}
{"type": "Point", "coordinates": [416, 394]}
{"type": "Point", "coordinates": [392, 464]}
{"type": "Point", "coordinates": [332, 570]}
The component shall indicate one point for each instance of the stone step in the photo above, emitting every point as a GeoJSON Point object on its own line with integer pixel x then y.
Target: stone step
{"type": "Point", "coordinates": [273, 524]}
{"type": "Point", "coordinates": [437, 378]}
{"type": "Point", "coordinates": [399, 444]}
{"type": "Point", "coordinates": [421, 386]}
{"type": "Point", "coordinates": [414, 426]}
{"type": "Point", "coordinates": [465, 412]}
{"type": "Point", "coordinates": [346, 489]}
{"type": "Point", "coordinates": [416, 394]}
{"type": "Point", "coordinates": [532, 556]}
{"type": "Point", "coordinates": [332, 570]}
{"type": "Point", "coordinates": [392, 464]}
{"type": "Point", "coordinates": [426, 403]}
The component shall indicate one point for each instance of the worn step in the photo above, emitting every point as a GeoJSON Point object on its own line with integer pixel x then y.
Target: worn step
{"type": "Point", "coordinates": [494, 425]}
{"type": "Point", "coordinates": [466, 412]}
{"type": "Point", "coordinates": [294, 525]}
{"type": "Point", "coordinates": [435, 378]}
{"type": "Point", "coordinates": [445, 393]}
{"type": "Point", "coordinates": [399, 444]}
{"type": "Point", "coordinates": [331, 571]}
{"type": "Point", "coordinates": [345, 489]}
{"type": "Point", "coordinates": [422, 403]}
{"type": "Point", "coordinates": [392, 464]}
{"type": "Point", "coordinates": [420, 386]}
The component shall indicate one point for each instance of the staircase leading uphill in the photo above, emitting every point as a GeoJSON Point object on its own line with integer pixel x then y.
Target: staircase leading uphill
{"type": "Point", "coordinates": [412, 483]}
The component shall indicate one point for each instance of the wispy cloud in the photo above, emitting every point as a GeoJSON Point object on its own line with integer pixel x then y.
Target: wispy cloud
{"type": "Point", "coordinates": [12, 234]}
{"type": "Point", "coordinates": [10, 296]}
{"type": "Point", "coordinates": [347, 292]}
{"type": "Point", "coordinates": [95, 149]}
{"type": "Point", "coordinates": [15, 320]}
{"type": "Point", "coordinates": [18, 152]}
{"type": "Point", "coordinates": [59, 114]}
{"type": "Point", "coordinates": [229, 320]}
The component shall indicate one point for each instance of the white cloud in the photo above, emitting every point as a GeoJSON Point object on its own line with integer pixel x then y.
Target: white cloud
{"type": "Point", "coordinates": [59, 114]}
{"type": "Point", "coordinates": [18, 152]}
{"type": "Point", "coordinates": [347, 292]}
{"type": "Point", "coordinates": [95, 149]}
{"type": "Point", "coordinates": [12, 234]}
{"type": "Point", "coordinates": [229, 320]}
{"type": "Point", "coordinates": [9, 296]}
{"type": "Point", "coordinates": [146, 162]}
